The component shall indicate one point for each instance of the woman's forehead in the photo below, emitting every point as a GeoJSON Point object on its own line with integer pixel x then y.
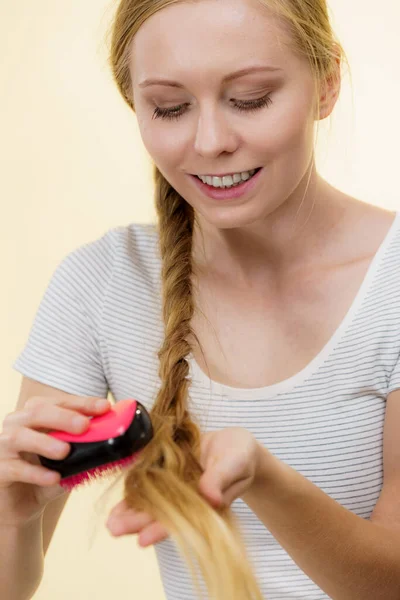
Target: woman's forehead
{"type": "Point", "coordinates": [188, 35]}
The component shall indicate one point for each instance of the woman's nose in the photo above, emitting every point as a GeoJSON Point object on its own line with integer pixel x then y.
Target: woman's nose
{"type": "Point", "coordinates": [214, 134]}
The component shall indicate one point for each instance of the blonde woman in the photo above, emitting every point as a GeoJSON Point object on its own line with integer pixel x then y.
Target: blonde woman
{"type": "Point", "coordinates": [258, 322]}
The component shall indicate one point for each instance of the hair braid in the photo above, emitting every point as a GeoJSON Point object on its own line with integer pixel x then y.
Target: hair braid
{"type": "Point", "coordinates": [164, 480]}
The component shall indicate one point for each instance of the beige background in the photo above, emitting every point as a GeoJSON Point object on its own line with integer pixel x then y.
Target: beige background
{"type": "Point", "coordinates": [73, 166]}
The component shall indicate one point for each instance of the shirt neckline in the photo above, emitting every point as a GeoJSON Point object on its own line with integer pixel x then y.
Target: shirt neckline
{"type": "Point", "coordinates": [267, 392]}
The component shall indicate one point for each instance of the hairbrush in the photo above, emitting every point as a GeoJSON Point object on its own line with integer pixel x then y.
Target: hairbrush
{"type": "Point", "coordinates": [112, 441]}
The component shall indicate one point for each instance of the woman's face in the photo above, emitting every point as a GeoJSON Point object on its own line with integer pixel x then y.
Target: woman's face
{"type": "Point", "coordinates": [211, 132]}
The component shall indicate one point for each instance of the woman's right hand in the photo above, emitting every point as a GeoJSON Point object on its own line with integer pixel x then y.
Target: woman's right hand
{"type": "Point", "coordinates": [26, 487]}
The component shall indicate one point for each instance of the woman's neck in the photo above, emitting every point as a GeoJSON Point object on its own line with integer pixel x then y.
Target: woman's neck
{"type": "Point", "coordinates": [293, 235]}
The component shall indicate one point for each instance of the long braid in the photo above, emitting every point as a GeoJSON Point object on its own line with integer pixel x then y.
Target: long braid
{"type": "Point", "coordinates": [175, 227]}
{"type": "Point", "coordinates": [164, 480]}
{"type": "Point", "coordinates": [170, 414]}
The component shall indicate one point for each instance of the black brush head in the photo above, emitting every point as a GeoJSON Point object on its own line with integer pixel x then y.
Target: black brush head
{"type": "Point", "coordinates": [85, 456]}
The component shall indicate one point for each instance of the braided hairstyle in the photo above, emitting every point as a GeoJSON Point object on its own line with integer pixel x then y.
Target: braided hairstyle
{"type": "Point", "coordinates": [164, 480]}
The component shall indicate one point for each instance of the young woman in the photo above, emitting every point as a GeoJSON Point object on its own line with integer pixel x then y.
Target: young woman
{"type": "Point", "coordinates": [259, 322]}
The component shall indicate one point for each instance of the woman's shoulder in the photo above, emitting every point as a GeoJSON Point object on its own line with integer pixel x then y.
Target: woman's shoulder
{"type": "Point", "coordinates": [136, 245]}
{"type": "Point", "coordinates": [133, 242]}
{"type": "Point", "coordinates": [371, 233]}
{"type": "Point", "coordinates": [125, 251]}
{"type": "Point", "coordinates": [134, 237]}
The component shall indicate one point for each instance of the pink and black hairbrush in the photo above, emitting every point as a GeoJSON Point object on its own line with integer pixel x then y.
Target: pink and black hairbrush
{"type": "Point", "coordinates": [112, 440]}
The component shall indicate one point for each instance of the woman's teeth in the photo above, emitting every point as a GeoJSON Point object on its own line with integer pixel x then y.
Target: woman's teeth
{"type": "Point", "coordinates": [228, 180]}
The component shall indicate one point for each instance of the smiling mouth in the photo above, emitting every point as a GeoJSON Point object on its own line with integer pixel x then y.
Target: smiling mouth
{"type": "Point", "coordinates": [229, 174]}
{"type": "Point", "coordinates": [229, 186]}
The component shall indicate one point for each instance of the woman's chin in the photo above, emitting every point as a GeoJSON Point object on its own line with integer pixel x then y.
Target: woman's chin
{"type": "Point", "coordinates": [233, 217]}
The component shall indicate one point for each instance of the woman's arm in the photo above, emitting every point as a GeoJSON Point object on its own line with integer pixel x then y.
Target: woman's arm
{"type": "Point", "coordinates": [348, 557]}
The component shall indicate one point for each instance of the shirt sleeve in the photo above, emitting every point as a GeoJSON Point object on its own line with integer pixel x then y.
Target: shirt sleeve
{"type": "Point", "coordinates": [394, 381]}
{"type": "Point", "coordinates": [63, 348]}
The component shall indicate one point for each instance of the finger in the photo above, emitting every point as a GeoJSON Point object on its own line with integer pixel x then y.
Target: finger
{"type": "Point", "coordinates": [221, 473]}
{"type": "Point", "coordinates": [86, 404]}
{"type": "Point", "coordinates": [129, 523]}
{"type": "Point", "coordinates": [119, 508]}
{"type": "Point", "coordinates": [16, 470]}
{"type": "Point", "coordinates": [210, 490]}
{"type": "Point", "coordinates": [152, 534]}
{"type": "Point", "coordinates": [50, 414]}
{"type": "Point", "coordinates": [213, 484]}
{"type": "Point", "coordinates": [46, 418]}
{"type": "Point", "coordinates": [24, 440]}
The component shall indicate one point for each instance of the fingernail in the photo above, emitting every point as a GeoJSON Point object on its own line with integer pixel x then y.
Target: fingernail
{"type": "Point", "coordinates": [80, 421]}
{"type": "Point", "coordinates": [143, 541]}
{"type": "Point", "coordinates": [116, 527]}
{"type": "Point", "coordinates": [102, 404]}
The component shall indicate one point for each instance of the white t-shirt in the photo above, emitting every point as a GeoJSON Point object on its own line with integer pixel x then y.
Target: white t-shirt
{"type": "Point", "coordinates": [99, 327]}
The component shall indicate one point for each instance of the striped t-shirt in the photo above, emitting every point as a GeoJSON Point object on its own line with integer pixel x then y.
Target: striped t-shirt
{"type": "Point", "coordinates": [99, 327]}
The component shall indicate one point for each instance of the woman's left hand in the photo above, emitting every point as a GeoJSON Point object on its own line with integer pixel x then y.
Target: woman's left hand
{"type": "Point", "coordinates": [230, 460]}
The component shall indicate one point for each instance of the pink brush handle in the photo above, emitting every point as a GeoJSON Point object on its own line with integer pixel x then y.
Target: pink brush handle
{"type": "Point", "coordinates": [110, 425]}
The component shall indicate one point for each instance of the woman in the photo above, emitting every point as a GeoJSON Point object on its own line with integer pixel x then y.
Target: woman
{"type": "Point", "coordinates": [280, 338]}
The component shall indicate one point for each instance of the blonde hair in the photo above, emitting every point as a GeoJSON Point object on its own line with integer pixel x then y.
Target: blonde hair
{"type": "Point", "coordinates": [164, 480]}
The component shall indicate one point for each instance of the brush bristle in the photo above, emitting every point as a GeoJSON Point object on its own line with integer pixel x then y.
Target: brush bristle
{"type": "Point", "coordinates": [95, 474]}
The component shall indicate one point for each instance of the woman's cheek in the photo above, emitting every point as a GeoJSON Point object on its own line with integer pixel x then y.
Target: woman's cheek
{"type": "Point", "coordinates": [288, 148]}
{"type": "Point", "coordinates": [291, 125]}
{"type": "Point", "coordinates": [164, 147]}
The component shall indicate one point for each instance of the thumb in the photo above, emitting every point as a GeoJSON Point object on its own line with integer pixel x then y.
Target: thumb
{"type": "Point", "coordinates": [214, 481]}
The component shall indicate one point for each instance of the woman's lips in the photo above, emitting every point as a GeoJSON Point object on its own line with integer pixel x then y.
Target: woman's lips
{"type": "Point", "coordinates": [227, 193]}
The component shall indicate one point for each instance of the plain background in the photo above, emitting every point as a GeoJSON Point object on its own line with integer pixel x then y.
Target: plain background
{"type": "Point", "coordinates": [73, 166]}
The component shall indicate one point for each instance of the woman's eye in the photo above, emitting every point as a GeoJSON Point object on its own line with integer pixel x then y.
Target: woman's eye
{"type": "Point", "coordinates": [253, 104]}
{"type": "Point", "coordinates": [169, 113]}
{"type": "Point", "coordinates": [241, 105]}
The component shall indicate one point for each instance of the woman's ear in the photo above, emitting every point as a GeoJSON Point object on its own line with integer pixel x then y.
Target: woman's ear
{"type": "Point", "coordinates": [330, 89]}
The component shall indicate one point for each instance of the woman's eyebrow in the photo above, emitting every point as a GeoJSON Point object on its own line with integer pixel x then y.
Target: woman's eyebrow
{"type": "Point", "coordinates": [227, 78]}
